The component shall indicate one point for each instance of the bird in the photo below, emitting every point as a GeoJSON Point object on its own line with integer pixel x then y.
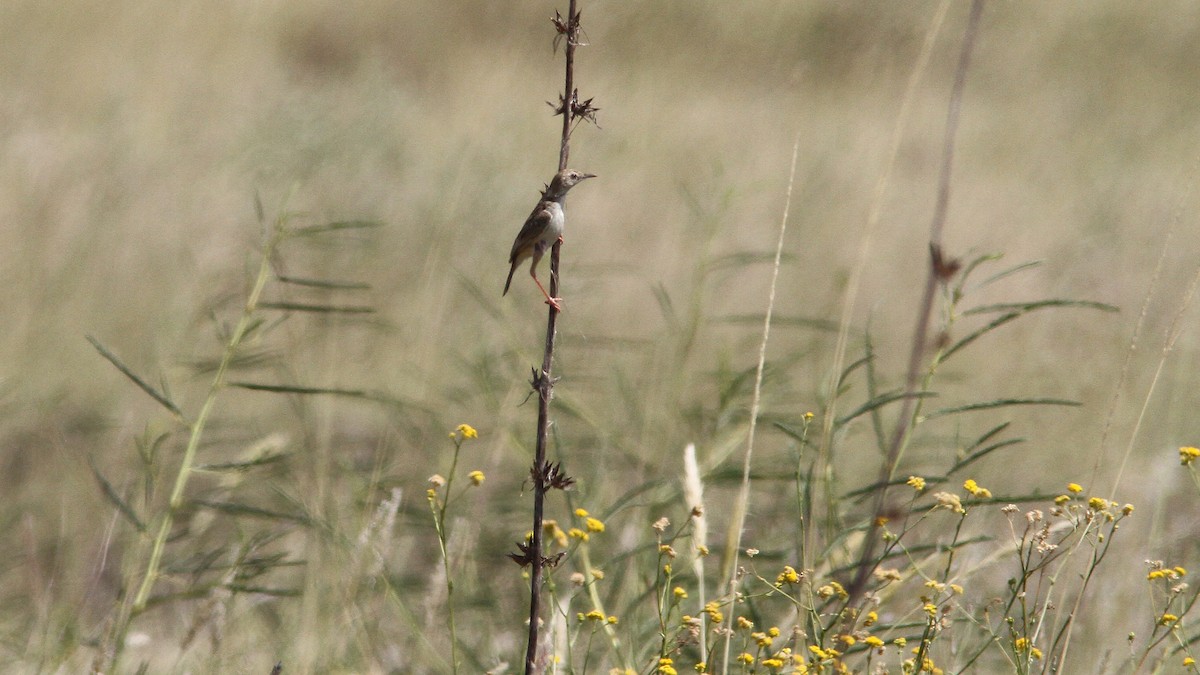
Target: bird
{"type": "Point", "coordinates": [543, 228]}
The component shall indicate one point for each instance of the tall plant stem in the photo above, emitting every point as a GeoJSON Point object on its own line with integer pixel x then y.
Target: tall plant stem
{"type": "Point", "coordinates": [921, 332]}
{"type": "Point", "coordinates": [197, 428]}
{"type": "Point", "coordinates": [543, 381]}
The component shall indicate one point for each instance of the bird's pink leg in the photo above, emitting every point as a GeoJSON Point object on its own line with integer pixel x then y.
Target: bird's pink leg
{"type": "Point", "coordinates": [556, 303]}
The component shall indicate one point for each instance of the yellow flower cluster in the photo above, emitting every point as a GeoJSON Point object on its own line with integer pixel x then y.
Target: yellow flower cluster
{"type": "Point", "coordinates": [1188, 454]}
{"type": "Point", "coordinates": [831, 589]}
{"type": "Point", "coordinates": [713, 610]}
{"type": "Point", "coordinates": [1169, 573]}
{"type": "Point", "coordinates": [976, 489]}
{"type": "Point", "coordinates": [1021, 644]}
{"type": "Point", "coordinates": [789, 575]}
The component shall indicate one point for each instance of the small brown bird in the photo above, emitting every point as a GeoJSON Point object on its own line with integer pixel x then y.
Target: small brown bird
{"type": "Point", "coordinates": [543, 228]}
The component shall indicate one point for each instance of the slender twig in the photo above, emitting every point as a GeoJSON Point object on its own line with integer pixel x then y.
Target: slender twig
{"type": "Point", "coordinates": [543, 381]}
{"type": "Point", "coordinates": [737, 522]}
{"type": "Point", "coordinates": [932, 279]}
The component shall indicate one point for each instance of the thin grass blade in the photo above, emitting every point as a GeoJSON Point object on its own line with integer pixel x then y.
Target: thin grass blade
{"type": "Point", "coordinates": [110, 493]}
{"type": "Point", "coordinates": [1002, 403]}
{"type": "Point", "coordinates": [142, 384]}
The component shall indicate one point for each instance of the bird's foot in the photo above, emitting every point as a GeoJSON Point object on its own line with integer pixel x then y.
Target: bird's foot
{"type": "Point", "coordinates": [556, 303]}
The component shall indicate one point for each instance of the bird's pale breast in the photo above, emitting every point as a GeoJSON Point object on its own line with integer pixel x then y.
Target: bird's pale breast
{"type": "Point", "coordinates": [555, 228]}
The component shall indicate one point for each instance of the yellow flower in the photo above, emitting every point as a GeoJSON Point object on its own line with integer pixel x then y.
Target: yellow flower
{"type": "Point", "coordinates": [1188, 454]}
{"type": "Point", "coordinates": [680, 593]}
{"type": "Point", "coordinates": [1036, 653]}
{"type": "Point", "coordinates": [476, 478]}
{"type": "Point", "coordinates": [713, 610]}
{"type": "Point", "coordinates": [594, 615]}
{"type": "Point", "coordinates": [930, 609]}
{"type": "Point", "coordinates": [773, 664]}
{"type": "Point", "coordinates": [870, 619]}
{"type": "Point", "coordinates": [916, 482]}
{"type": "Point", "coordinates": [576, 533]}
{"type": "Point", "coordinates": [1020, 644]}
{"type": "Point", "coordinates": [873, 641]}
{"type": "Point", "coordinates": [1061, 499]}
{"type": "Point", "coordinates": [789, 575]}
{"type": "Point", "coordinates": [1075, 488]}
{"type": "Point", "coordinates": [467, 431]}
{"type": "Point", "coordinates": [1189, 661]}
{"type": "Point", "coordinates": [745, 658]}
{"type": "Point", "coordinates": [612, 620]}
{"type": "Point", "coordinates": [1167, 619]}
{"type": "Point", "coordinates": [1097, 503]}
{"type": "Point", "coordinates": [743, 622]}
{"type": "Point", "coordinates": [773, 631]}
{"type": "Point", "coordinates": [551, 529]}
{"type": "Point", "coordinates": [976, 490]}
{"type": "Point", "coordinates": [581, 513]}
{"type": "Point", "coordinates": [594, 525]}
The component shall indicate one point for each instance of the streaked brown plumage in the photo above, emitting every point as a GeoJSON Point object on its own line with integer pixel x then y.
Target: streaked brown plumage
{"type": "Point", "coordinates": [543, 228]}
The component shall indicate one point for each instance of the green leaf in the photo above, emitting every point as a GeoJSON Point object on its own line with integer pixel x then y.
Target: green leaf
{"type": "Point", "coordinates": [297, 389]}
{"type": "Point", "coordinates": [878, 401]}
{"type": "Point", "coordinates": [337, 227]}
{"type": "Point", "coordinates": [1030, 306]}
{"type": "Point", "coordinates": [1001, 403]}
{"type": "Point", "coordinates": [326, 283]}
{"type": "Point", "coordinates": [245, 510]}
{"type": "Point", "coordinates": [320, 309]}
{"type": "Point", "coordinates": [980, 454]}
{"type": "Point", "coordinates": [111, 494]}
{"type": "Point", "coordinates": [265, 460]}
{"type": "Point", "coordinates": [142, 384]}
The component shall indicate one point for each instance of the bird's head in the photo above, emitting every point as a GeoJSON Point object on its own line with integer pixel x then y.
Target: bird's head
{"type": "Point", "coordinates": [565, 180]}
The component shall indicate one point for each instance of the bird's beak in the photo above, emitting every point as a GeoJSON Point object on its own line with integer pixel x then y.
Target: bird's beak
{"type": "Point", "coordinates": [587, 175]}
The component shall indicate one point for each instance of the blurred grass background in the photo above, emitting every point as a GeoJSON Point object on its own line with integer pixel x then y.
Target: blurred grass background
{"type": "Point", "coordinates": [134, 138]}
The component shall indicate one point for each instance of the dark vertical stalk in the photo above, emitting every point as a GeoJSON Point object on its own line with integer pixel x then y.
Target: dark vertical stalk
{"type": "Point", "coordinates": [936, 275]}
{"type": "Point", "coordinates": [543, 381]}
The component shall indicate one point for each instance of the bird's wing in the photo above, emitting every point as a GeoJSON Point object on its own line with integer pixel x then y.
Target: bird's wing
{"type": "Point", "coordinates": [534, 227]}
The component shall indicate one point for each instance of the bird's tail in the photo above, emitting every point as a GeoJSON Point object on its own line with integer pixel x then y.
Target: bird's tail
{"type": "Point", "coordinates": [508, 282]}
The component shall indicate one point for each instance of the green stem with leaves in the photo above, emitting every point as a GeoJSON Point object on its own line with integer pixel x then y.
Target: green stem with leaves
{"type": "Point", "coordinates": [196, 428]}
